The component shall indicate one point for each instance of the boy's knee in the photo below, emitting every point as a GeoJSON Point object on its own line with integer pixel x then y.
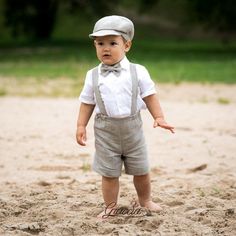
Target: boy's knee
{"type": "Point", "coordinates": [106, 178]}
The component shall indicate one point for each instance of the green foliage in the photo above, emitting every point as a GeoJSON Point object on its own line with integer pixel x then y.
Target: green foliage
{"type": "Point", "coordinates": [216, 14]}
{"type": "Point", "coordinates": [32, 18]}
{"type": "Point", "coordinates": [38, 19]}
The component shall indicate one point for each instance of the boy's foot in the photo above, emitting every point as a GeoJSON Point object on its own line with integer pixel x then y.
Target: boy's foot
{"type": "Point", "coordinates": [152, 206]}
{"type": "Point", "coordinates": [134, 203]}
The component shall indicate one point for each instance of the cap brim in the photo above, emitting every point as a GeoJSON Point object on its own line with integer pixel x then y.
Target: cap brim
{"type": "Point", "coordinates": [104, 33]}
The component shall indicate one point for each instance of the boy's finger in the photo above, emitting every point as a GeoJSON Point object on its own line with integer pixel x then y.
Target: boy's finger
{"type": "Point", "coordinates": [172, 130]}
{"type": "Point", "coordinates": [82, 142]}
{"type": "Point", "coordinates": [155, 124]}
{"type": "Point", "coordinates": [81, 139]}
{"type": "Point", "coordinates": [84, 139]}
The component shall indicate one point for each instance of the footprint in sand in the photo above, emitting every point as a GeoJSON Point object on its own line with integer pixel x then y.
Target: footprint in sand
{"type": "Point", "coordinates": [174, 203]}
{"type": "Point", "coordinates": [32, 228]}
{"type": "Point", "coordinates": [149, 224]}
{"type": "Point", "coordinates": [63, 177]}
{"type": "Point", "coordinates": [56, 168]}
{"type": "Point", "coordinates": [44, 183]}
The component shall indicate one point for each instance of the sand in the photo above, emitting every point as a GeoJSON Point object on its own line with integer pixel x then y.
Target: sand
{"type": "Point", "coordinates": [48, 187]}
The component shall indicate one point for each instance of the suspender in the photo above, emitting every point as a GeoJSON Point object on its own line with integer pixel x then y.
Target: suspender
{"type": "Point", "coordinates": [99, 100]}
{"type": "Point", "coordinates": [134, 77]}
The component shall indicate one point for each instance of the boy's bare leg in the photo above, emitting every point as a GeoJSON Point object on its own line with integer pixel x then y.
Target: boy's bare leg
{"type": "Point", "coordinates": [143, 188]}
{"type": "Point", "coordinates": [110, 191]}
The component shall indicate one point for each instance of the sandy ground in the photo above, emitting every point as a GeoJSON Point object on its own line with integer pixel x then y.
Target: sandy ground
{"type": "Point", "coordinates": [48, 187]}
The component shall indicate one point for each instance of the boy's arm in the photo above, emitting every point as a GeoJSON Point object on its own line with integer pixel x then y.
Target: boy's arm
{"type": "Point", "coordinates": [85, 113]}
{"type": "Point", "coordinates": [154, 108]}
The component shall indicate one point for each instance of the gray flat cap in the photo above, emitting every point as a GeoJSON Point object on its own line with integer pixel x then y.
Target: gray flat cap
{"type": "Point", "coordinates": [114, 25]}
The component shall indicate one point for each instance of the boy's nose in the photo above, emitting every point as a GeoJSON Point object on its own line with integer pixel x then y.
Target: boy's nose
{"type": "Point", "coordinates": [106, 48]}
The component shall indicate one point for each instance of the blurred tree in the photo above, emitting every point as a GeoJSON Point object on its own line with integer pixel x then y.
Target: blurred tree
{"type": "Point", "coordinates": [90, 7]}
{"type": "Point", "coordinates": [33, 18]}
{"type": "Point", "coordinates": [146, 5]}
{"type": "Point", "coordinates": [36, 18]}
{"type": "Point", "coordinates": [216, 14]}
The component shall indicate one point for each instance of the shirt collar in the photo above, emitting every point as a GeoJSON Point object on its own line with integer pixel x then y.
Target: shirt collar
{"type": "Point", "coordinates": [124, 63]}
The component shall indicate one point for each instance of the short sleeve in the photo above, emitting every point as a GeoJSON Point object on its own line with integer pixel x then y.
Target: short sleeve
{"type": "Point", "coordinates": [146, 85]}
{"type": "Point", "coordinates": [87, 94]}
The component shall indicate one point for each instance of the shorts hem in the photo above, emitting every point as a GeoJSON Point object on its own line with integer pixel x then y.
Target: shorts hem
{"type": "Point", "coordinates": [106, 175]}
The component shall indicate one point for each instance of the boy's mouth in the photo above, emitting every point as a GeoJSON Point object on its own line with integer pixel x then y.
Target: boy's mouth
{"type": "Point", "coordinates": [106, 55]}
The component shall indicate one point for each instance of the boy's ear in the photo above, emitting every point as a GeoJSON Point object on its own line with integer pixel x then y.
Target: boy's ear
{"type": "Point", "coordinates": [94, 43]}
{"type": "Point", "coordinates": [128, 45]}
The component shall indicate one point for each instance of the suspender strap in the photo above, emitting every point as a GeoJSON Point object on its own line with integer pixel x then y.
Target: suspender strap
{"type": "Point", "coordinates": [134, 78]}
{"type": "Point", "coordinates": [99, 100]}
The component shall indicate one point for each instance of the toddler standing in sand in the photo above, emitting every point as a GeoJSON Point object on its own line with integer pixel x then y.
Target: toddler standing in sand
{"type": "Point", "coordinates": [118, 90]}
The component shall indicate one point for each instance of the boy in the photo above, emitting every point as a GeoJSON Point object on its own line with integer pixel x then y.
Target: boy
{"type": "Point", "coordinates": [118, 90]}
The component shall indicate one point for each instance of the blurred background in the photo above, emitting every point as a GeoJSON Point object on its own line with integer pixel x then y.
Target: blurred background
{"type": "Point", "coordinates": [45, 49]}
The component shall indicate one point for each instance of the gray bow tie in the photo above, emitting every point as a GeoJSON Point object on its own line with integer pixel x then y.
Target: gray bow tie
{"type": "Point", "coordinates": [116, 69]}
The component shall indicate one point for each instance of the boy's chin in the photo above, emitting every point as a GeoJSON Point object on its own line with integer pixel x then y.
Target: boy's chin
{"type": "Point", "coordinates": [110, 62]}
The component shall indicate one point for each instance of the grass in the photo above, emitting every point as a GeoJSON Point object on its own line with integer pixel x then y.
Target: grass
{"type": "Point", "coordinates": [223, 101]}
{"type": "Point", "coordinates": [86, 167]}
{"type": "Point", "coordinates": [175, 61]}
{"type": "Point", "coordinates": [2, 92]}
{"type": "Point", "coordinates": [166, 60]}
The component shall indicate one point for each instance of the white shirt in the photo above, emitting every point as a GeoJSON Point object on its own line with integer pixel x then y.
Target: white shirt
{"type": "Point", "coordinates": [116, 92]}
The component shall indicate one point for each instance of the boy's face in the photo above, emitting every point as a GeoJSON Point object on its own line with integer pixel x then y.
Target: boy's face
{"type": "Point", "coordinates": [111, 48]}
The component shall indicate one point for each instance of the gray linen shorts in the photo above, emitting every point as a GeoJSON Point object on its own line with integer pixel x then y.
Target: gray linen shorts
{"type": "Point", "coordinates": [118, 141]}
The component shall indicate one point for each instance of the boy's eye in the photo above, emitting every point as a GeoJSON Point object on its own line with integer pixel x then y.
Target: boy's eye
{"type": "Point", "coordinates": [113, 43]}
{"type": "Point", "coordinates": [100, 43]}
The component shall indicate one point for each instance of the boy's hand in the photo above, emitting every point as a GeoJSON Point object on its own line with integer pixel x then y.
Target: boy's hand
{"type": "Point", "coordinates": [162, 123]}
{"type": "Point", "coordinates": [81, 135]}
